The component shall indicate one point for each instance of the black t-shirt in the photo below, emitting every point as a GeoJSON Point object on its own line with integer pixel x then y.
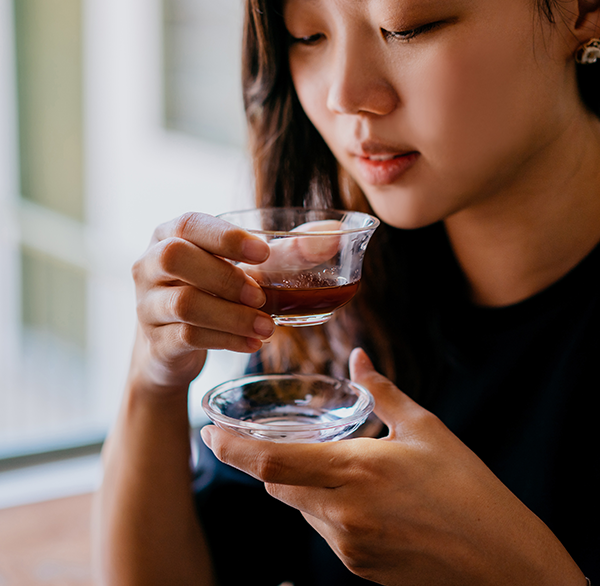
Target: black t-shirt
{"type": "Point", "coordinates": [518, 386]}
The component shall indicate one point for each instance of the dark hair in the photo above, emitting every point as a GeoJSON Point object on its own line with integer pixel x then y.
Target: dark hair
{"type": "Point", "coordinates": [294, 167]}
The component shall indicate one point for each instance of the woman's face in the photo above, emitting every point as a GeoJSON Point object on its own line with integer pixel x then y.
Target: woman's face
{"type": "Point", "coordinates": [432, 106]}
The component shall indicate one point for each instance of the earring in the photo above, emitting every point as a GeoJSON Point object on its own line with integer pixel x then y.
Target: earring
{"type": "Point", "coordinates": [588, 52]}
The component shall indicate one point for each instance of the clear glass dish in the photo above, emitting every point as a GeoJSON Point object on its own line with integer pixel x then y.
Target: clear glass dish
{"type": "Point", "coordinates": [289, 407]}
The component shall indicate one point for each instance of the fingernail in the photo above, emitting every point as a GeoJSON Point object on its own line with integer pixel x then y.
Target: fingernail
{"type": "Point", "coordinates": [206, 433]}
{"type": "Point", "coordinates": [255, 250]}
{"type": "Point", "coordinates": [361, 356]}
{"type": "Point", "coordinates": [264, 326]}
{"type": "Point", "coordinates": [252, 295]}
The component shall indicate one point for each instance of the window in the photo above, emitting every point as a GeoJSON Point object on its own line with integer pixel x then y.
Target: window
{"type": "Point", "coordinates": [115, 116]}
{"type": "Point", "coordinates": [202, 55]}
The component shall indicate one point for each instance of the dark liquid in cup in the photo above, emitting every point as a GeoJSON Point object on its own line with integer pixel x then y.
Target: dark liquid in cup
{"type": "Point", "coordinates": [307, 301]}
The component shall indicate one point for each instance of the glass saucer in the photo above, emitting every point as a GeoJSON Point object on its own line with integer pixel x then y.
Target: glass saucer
{"type": "Point", "coordinates": [289, 407]}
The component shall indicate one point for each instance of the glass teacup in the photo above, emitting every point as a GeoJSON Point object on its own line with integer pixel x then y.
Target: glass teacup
{"type": "Point", "coordinates": [315, 263]}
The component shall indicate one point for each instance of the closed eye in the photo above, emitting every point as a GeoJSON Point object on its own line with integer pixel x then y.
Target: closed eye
{"type": "Point", "coordinates": [308, 40]}
{"type": "Point", "coordinates": [408, 35]}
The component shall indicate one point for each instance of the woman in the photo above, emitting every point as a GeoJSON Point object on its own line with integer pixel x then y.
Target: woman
{"type": "Point", "coordinates": [469, 130]}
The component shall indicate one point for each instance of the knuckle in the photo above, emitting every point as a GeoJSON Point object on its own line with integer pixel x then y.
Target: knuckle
{"type": "Point", "coordinates": [219, 450]}
{"type": "Point", "coordinates": [186, 335]}
{"type": "Point", "coordinates": [228, 236]}
{"type": "Point", "coordinates": [223, 235]}
{"type": "Point", "coordinates": [153, 335]}
{"type": "Point", "coordinates": [232, 279]}
{"type": "Point", "coordinates": [185, 223]}
{"type": "Point", "coordinates": [142, 310]}
{"type": "Point", "coordinates": [273, 489]}
{"type": "Point", "coordinates": [354, 524]}
{"type": "Point", "coordinates": [354, 556]}
{"type": "Point", "coordinates": [181, 303]}
{"type": "Point", "coordinates": [365, 466]}
{"type": "Point", "coordinates": [365, 474]}
{"type": "Point", "coordinates": [137, 270]}
{"type": "Point", "coordinates": [169, 253]}
{"type": "Point", "coordinates": [268, 467]}
{"type": "Point", "coordinates": [358, 551]}
{"type": "Point", "coordinates": [147, 331]}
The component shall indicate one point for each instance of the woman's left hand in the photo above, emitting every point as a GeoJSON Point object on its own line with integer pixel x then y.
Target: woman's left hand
{"type": "Point", "coordinates": [414, 508]}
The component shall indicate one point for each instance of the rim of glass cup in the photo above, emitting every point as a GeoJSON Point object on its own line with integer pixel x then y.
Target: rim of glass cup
{"type": "Point", "coordinates": [375, 221]}
{"type": "Point", "coordinates": [366, 400]}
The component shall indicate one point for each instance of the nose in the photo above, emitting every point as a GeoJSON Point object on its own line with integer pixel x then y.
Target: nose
{"type": "Point", "coordinates": [358, 83]}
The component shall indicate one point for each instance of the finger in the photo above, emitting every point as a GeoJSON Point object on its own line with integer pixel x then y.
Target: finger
{"type": "Point", "coordinates": [322, 465]}
{"type": "Point", "coordinates": [185, 304]}
{"type": "Point", "coordinates": [301, 252]}
{"type": "Point", "coordinates": [171, 341]}
{"type": "Point", "coordinates": [317, 250]}
{"type": "Point", "coordinates": [215, 236]}
{"type": "Point", "coordinates": [313, 501]}
{"type": "Point", "coordinates": [392, 406]}
{"type": "Point", "coordinates": [175, 260]}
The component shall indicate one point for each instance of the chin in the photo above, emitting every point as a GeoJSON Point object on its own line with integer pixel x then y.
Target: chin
{"type": "Point", "coordinates": [405, 217]}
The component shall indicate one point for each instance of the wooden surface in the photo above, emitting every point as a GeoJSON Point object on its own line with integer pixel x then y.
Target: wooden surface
{"type": "Point", "coordinates": [46, 543]}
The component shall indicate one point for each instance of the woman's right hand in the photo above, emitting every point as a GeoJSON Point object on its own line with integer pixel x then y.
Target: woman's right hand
{"type": "Point", "coordinates": [191, 299]}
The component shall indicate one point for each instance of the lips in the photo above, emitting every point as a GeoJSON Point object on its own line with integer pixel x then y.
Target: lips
{"type": "Point", "coordinates": [380, 164]}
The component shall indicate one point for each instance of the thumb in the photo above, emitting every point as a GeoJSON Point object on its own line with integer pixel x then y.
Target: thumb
{"type": "Point", "coordinates": [392, 406]}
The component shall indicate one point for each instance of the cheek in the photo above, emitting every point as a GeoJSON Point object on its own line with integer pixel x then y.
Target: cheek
{"type": "Point", "coordinates": [469, 102]}
{"type": "Point", "coordinates": [482, 105]}
{"type": "Point", "coordinates": [311, 89]}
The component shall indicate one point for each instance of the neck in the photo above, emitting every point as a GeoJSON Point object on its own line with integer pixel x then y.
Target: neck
{"type": "Point", "coordinates": [519, 241]}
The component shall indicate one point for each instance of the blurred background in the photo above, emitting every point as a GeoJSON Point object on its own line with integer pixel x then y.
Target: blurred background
{"type": "Point", "coordinates": [115, 116]}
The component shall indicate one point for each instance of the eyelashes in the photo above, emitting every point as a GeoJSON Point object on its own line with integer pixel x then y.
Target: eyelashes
{"type": "Point", "coordinates": [404, 36]}
{"type": "Point", "coordinates": [308, 40]}
{"type": "Point", "coordinates": [408, 35]}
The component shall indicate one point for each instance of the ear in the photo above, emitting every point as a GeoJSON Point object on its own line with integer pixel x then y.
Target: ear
{"type": "Point", "coordinates": [588, 20]}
